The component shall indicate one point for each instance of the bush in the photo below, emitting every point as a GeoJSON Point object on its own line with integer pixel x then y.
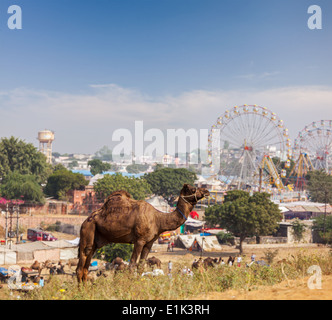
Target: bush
{"type": "Point", "coordinates": [113, 250]}
{"type": "Point", "coordinates": [270, 254]}
{"type": "Point", "coordinates": [225, 238]}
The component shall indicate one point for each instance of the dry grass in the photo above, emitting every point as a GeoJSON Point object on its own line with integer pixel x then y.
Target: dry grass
{"type": "Point", "coordinates": [130, 286]}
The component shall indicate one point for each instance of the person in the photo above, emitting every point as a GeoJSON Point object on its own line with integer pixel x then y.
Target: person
{"type": "Point", "coordinates": [172, 246]}
{"type": "Point", "coordinates": [238, 260]}
{"type": "Point", "coordinates": [41, 282]}
{"type": "Point", "coordinates": [189, 272]}
{"type": "Point", "coordinates": [253, 257]}
{"type": "Point", "coordinates": [170, 265]}
{"type": "Point", "coordinates": [222, 262]}
{"type": "Point", "coordinates": [169, 247]}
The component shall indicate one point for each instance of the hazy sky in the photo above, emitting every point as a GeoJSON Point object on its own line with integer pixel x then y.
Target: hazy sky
{"type": "Point", "coordinates": [87, 68]}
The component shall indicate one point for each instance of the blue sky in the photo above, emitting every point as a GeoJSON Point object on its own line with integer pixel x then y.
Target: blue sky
{"type": "Point", "coordinates": [158, 53]}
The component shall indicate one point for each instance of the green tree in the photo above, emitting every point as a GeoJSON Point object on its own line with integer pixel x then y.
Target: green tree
{"type": "Point", "coordinates": [137, 168]}
{"type": "Point", "coordinates": [319, 186]}
{"type": "Point", "coordinates": [137, 187]}
{"type": "Point", "coordinates": [245, 215]}
{"type": "Point", "coordinates": [168, 181]}
{"type": "Point", "coordinates": [114, 250]}
{"type": "Point", "coordinates": [24, 158]}
{"type": "Point", "coordinates": [323, 225]}
{"type": "Point", "coordinates": [320, 189]}
{"type": "Point", "coordinates": [23, 187]}
{"type": "Point", "coordinates": [63, 180]}
{"type": "Point", "coordinates": [298, 229]}
{"type": "Point", "coordinates": [97, 166]}
{"type": "Point", "coordinates": [73, 164]}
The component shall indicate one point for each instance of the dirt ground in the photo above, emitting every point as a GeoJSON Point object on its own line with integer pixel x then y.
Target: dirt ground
{"type": "Point", "coordinates": [286, 290]}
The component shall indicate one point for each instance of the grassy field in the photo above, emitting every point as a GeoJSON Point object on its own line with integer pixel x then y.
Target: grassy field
{"type": "Point", "coordinates": [130, 286]}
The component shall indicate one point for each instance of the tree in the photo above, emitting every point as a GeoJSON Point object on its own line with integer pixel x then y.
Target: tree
{"type": "Point", "coordinates": [22, 186]}
{"type": "Point", "coordinates": [323, 225]}
{"type": "Point", "coordinates": [23, 158]}
{"type": "Point", "coordinates": [168, 181]}
{"type": "Point", "coordinates": [245, 215]}
{"type": "Point", "coordinates": [298, 229]}
{"type": "Point", "coordinates": [320, 189]}
{"type": "Point", "coordinates": [319, 186]}
{"type": "Point", "coordinates": [137, 187]}
{"type": "Point", "coordinates": [114, 250]}
{"type": "Point", "coordinates": [104, 154]}
{"type": "Point", "coordinates": [97, 166]}
{"type": "Point", "coordinates": [137, 168]}
{"type": "Point", "coordinates": [63, 180]}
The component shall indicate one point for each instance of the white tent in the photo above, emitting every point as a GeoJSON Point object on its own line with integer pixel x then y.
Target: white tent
{"type": "Point", "coordinates": [185, 241]}
{"type": "Point", "coordinates": [7, 256]}
{"type": "Point", "coordinates": [95, 178]}
{"type": "Point", "coordinates": [208, 243]}
{"type": "Point", "coordinates": [194, 222]}
{"type": "Point", "coordinates": [159, 203]}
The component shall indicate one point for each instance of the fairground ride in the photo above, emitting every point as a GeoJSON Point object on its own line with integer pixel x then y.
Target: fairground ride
{"type": "Point", "coordinates": [297, 175]}
{"type": "Point", "coordinates": [240, 142]}
{"type": "Point", "coordinates": [315, 140]}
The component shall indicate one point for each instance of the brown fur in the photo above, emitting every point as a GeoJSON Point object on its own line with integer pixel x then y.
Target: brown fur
{"type": "Point", "coordinates": [125, 220]}
{"type": "Point", "coordinates": [154, 261]}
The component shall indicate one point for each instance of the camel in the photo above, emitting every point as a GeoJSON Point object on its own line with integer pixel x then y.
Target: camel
{"type": "Point", "coordinates": [120, 267]}
{"type": "Point", "coordinates": [122, 219]}
{"type": "Point", "coordinates": [230, 259]}
{"type": "Point", "coordinates": [37, 266]}
{"type": "Point", "coordinates": [154, 261]}
{"type": "Point", "coordinates": [117, 260]}
{"type": "Point", "coordinates": [209, 262]}
{"type": "Point", "coordinates": [72, 263]}
{"type": "Point", "coordinates": [197, 264]}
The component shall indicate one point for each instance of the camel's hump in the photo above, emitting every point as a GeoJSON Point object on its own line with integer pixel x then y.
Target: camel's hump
{"type": "Point", "coordinates": [116, 199]}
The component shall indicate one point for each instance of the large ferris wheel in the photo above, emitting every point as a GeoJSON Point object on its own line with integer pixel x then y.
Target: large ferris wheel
{"type": "Point", "coordinates": [242, 139]}
{"type": "Point", "coordinates": [315, 140]}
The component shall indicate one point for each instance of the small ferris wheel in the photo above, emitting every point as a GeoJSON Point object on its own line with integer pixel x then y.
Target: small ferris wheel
{"type": "Point", "coordinates": [241, 138]}
{"type": "Point", "coordinates": [315, 140]}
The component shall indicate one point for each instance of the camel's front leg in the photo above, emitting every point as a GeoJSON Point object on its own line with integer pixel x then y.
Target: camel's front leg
{"type": "Point", "coordinates": [138, 246]}
{"type": "Point", "coordinates": [146, 250]}
{"type": "Point", "coordinates": [86, 249]}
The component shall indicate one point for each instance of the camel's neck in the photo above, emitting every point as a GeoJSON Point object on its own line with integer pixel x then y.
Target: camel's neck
{"type": "Point", "coordinates": [172, 220]}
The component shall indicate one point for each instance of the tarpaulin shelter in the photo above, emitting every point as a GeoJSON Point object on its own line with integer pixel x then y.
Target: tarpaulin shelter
{"type": "Point", "coordinates": [38, 250]}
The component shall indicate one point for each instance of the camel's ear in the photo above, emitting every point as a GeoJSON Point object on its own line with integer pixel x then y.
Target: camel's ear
{"type": "Point", "coordinates": [186, 187]}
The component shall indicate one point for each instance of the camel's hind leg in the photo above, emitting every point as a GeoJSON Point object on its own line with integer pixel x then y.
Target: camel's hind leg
{"type": "Point", "coordinates": [87, 248]}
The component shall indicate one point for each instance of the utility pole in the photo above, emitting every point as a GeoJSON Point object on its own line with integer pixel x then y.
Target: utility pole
{"type": "Point", "coordinates": [17, 223]}
{"type": "Point", "coordinates": [6, 228]}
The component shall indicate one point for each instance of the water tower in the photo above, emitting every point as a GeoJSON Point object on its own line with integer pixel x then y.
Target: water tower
{"type": "Point", "coordinates": [45, 138]}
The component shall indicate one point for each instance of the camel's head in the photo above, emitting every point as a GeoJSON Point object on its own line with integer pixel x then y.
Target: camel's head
{"type": "Point", "coordinates": [193, 194]}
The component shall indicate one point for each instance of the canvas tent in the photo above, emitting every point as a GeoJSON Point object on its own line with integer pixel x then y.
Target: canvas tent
{"type": "Point", "coordinates": [184, 241]}
{"type": "Point", "coordinates": [207, 243]}
{"type": "Point", "coordinates": [194, 222]}
{"type": "Point", "coordinates": [193, 242]}
{"type": "Point", "coordinates": [159, 203]}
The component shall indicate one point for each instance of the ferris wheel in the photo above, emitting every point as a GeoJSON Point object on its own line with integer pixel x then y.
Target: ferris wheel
{"type": "Point", "coordinates": [242, 139]}
{"type": "Point", "coordinates": [315, 140]}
